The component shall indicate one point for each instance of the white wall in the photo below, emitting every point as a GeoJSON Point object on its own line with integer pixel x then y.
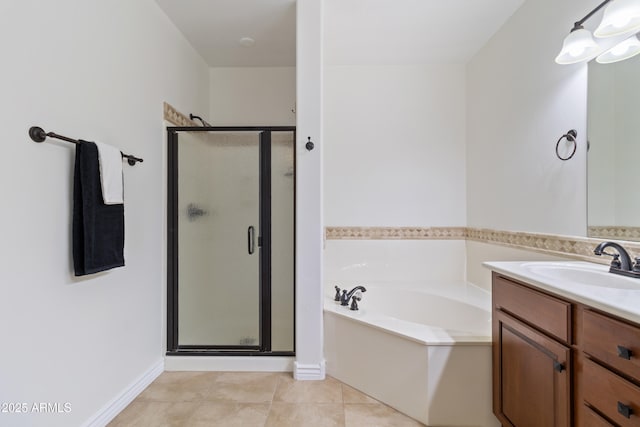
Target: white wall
{"type": "Point", "coordinates": [395, 147]}
{"type": "Point", "coordinates": [309, 202]}
{"type": "Point", "coordinates": [519, 102]}
{"type": "Point", "coordinates": [94, 70]}
{"type": "Point", "coordinates": [348, 263]}
{"type": "Point", "coordinates": [394, 155]}
{"type": "Point", "coordinates": [252, 96]}
{"type": "Point", "coordinates": [479, 252]}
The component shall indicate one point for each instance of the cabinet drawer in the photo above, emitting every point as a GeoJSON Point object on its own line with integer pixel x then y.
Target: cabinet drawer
{"type": "Point", "coordinates": [547, 313]}
{"type": "Point", "coordinates": [611, 395]}
{"type": "Point", "coordinates": [615, 343]}
{"type": "Point", "coordinates": [591, 419]}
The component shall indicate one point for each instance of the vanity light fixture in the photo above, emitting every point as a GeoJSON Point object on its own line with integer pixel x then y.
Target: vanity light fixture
{"type": "Point", "coordinates": [578, 46]}
{"type": "Point", "coordinates": [620, 17]}
{"type": "Point", "coordinates": [625, 50]}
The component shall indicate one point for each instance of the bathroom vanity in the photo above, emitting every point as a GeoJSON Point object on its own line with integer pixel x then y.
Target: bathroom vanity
{"type": "Point", "coordinates": [566, 345]}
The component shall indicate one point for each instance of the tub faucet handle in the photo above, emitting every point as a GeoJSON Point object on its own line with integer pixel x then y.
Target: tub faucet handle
{"type": "Point", "coordinates": [337, 297]}
{"type": "Point", "coordinates": [354, 302]}
{"type": "Point", "coordinates": [344, 299]}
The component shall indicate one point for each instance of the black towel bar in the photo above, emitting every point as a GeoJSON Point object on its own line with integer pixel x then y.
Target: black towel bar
{"type": "Point", "coordinates": [38, 134]}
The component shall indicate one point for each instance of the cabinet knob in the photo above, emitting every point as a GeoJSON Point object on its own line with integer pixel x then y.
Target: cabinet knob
{"type": "Point", "coordinates": [624, 352]}
{"type": "Point", "coordinates": [624, 410]}
{"type": "Point", "coordinates": [558, 366]}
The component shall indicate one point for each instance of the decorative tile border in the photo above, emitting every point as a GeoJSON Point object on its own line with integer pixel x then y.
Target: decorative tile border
{"type": "Point", "coordinates": [554, 244]}
{"type": "Point", "coordinates": [393, 233]}
{"type": "Point", "coordinates": [565, 246]}
{"type": "Point", "coordinates": [176, 117]}
{"type": "Point", "coordinates": [614, 232]}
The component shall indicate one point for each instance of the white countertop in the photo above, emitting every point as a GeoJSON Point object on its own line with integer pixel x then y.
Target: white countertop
{"type": "Point", "coordinates": [622, 301]}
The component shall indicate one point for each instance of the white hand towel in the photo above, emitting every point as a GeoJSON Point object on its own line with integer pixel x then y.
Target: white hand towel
{"type": "Point", "coordinates": [110, 159]}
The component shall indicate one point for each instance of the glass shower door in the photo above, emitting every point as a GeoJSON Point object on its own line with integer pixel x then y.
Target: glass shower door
{"type": "Point", "coordinates": [231, 251]}
{"type": "Point", "coordinates": [282, 240]}
{"type": "Point", "coordinates": [218, 218]}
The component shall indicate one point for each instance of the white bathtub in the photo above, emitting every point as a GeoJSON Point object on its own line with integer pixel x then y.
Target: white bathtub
{"type": "Point", "coordinates": [424, 349]}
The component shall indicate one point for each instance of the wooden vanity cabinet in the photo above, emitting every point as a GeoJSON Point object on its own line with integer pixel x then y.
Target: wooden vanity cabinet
{"type": "Point", "coordinates": [531, 369]}
{"type": "Point", "coordinates": [559, 363]}
{"type": "Point", "coordinates": [591, 419]}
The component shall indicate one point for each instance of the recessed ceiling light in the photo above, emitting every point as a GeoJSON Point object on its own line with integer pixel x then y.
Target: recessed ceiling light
{"type": "Point", "coordinates": [247, 41]}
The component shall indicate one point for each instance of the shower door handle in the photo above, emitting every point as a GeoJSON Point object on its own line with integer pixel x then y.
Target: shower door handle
{"type": "Point", "coordinates": [251, 240]}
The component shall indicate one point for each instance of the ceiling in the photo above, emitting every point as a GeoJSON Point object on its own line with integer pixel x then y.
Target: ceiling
{"type": "Point", "coordinates": [214, 28]}
{"type": "Point", "coordinates": [356, 32]}
{"type": "Point", "coordinates": [410, 31]}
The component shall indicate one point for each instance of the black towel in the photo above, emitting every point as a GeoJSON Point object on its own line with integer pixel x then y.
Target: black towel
{"type": "Point", "coordinates": [98, 229]}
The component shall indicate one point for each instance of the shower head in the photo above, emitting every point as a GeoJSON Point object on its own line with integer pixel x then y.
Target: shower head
{"type": "Point", "coordinates": [204, 123]}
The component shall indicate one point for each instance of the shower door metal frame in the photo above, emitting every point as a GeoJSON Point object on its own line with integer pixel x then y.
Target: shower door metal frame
{"type": "Point", "coordinates": [264, 244]}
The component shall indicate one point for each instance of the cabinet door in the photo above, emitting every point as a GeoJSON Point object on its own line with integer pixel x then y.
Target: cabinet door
{"type": "Point", "coordinates": [531, 379]}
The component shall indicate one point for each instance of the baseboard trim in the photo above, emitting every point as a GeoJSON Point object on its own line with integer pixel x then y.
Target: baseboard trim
{"type": "Point", "coordinates": [309, 372]}
{"type": "Point", "coordinates": [229, 363]}
{"type": "Point", "coordinates": [113, 408]}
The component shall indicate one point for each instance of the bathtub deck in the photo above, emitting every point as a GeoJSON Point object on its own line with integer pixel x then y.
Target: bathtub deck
{"type": "Point", "coordinates": [426, 372]}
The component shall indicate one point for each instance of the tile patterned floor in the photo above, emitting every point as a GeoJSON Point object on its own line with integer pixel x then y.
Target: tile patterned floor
{"type": "Point", "coordinates": [260, 399]}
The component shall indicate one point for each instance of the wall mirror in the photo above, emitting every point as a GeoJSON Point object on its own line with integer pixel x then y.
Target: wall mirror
{"type": "Point", "coordinates": [613, 132]}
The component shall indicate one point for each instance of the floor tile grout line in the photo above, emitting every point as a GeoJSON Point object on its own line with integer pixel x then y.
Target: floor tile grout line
{"type": "Point", "coordinates": [273, 395]}
{"type": "Point", "coordinates": [208, 392]}
{"type": "Point", "coordinates": [344, 409]}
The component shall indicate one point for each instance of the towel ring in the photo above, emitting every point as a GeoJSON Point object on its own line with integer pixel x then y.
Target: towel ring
{"type": "Point", "coordinates": [571, 137]}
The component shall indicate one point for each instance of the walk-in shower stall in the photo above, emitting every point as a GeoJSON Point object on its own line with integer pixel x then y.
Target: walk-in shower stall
{"type": "Point", "coordinates": [231, 215]}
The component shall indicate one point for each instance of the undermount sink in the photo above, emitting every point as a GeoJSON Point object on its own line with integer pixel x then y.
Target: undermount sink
{"type": "Point", "coordinates": [580, 273]}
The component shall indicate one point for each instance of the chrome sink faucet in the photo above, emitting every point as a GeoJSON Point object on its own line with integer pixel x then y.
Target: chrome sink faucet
{"type": "Point", "coordinates": [621, 262]}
